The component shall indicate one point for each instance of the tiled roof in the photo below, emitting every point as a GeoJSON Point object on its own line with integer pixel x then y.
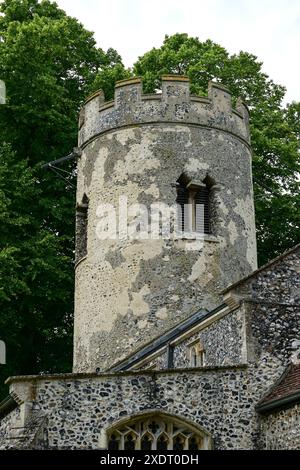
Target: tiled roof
{"type": "Point", "coordinates": [283, 391]}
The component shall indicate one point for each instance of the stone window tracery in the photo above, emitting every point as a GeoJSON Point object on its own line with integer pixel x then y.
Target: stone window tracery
{"type": "Point", "coordinates": [156, 433]}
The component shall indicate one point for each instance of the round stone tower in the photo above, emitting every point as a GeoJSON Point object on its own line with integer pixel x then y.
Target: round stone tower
{"type": "Point", "coordinates": [143, 151]}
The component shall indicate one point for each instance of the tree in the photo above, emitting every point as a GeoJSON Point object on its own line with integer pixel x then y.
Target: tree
{"type": "Point", "coordinates": [49, 63]}
{"type": "Point", "coordinates": [35, 269]}
{"type": "Point", "coordinates": [274, 128]}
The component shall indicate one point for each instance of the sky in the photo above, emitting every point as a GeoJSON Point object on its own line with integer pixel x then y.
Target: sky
{"type": "Point", "coordinates": [269, 29]}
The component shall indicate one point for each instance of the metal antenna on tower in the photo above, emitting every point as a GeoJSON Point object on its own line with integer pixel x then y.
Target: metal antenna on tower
{"type": "Point", "coordinates": [53, 166]}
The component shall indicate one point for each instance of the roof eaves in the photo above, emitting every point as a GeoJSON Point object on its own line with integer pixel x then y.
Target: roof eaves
{"type": "Point", "coordinates": [164, 339]}
{"type": "Point", "coordinates": [278, 403]}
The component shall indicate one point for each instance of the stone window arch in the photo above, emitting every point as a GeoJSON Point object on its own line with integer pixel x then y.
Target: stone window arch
{"type": "Point", "coordinates": [157, 431]}
{"type": "Point", "coordinates": [2, 352]}
{"type": "Point", "coordinates": [197, 354]}
{"type": "Point", "coordinates": [194, 205]}
{"type": "Point", "coordinates": [81, 228]}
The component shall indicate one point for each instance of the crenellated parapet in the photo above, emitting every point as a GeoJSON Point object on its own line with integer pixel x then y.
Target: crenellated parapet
{"type": "Point", "coordinates": [174, 104]}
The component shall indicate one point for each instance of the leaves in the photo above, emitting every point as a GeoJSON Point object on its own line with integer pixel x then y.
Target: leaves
{"type": "Point", "coordinates": [274, 129]}
{"type": "Point", "coordinates": [49, 63]}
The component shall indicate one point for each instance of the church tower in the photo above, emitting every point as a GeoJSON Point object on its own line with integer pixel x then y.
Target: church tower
{"type": "Point", "coordinates": [143, 154]}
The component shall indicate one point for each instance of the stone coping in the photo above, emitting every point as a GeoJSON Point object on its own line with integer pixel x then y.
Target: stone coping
{"type": "Point", "coordinates": [83, 376]}
{"type": "Point", "coordinates": [128, 81]}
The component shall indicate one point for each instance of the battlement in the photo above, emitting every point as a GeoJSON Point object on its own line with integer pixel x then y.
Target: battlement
{"type": "Point", "coordinates": [174, 105]}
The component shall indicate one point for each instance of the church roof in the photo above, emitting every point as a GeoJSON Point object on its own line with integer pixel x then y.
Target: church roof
{"type": "Point", "coordinates": [165, 338]}
{"type": "Point", "coordinates": [262, 268]}
{"type": "Point", "coordinates": [285, 393]}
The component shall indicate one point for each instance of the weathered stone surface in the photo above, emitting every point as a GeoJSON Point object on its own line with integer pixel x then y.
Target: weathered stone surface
{"type": "Point", "coordinates": [128, 291]}
{"type": "Point", "coordinates": [281, 430]}
{"type": "Point", "coordinates": [81, 410]}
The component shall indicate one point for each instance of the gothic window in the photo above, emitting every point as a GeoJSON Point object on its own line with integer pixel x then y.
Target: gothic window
{"type": "Point", "coordinates": [162, 442]}
{"type": "Point", "coordinates": [156, 433]}
{"type": "Point", "coordinates": [81, 228]}
{"type": "Point", "coordinates": [193, 200]}
{"type": "Point", "coordinates": [146, 442]}
{"type": "Point", "coordinates": [129, 442]}
{"type": "Point", "coordinates": [197, 355]}
{"type": "Point", "coordinates": [113, 442]}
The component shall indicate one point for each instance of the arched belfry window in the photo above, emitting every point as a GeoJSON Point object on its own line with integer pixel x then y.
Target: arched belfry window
{"type": "Point", "coordinates": [81, 228]}
{"type": "Point", "coordinates": [157, 432]}
{"type": "Point", "coordinates": [193, 199]}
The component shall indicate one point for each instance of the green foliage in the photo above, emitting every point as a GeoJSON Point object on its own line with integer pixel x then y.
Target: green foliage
{"type": "Point", "coordinates": [36, 276]}
{"type": "Point", "coordinates": [107, 78]}
{"type": "Point", "coordinates": [275, 130]}
{"type": "Point", "coordinates": [49, 63]}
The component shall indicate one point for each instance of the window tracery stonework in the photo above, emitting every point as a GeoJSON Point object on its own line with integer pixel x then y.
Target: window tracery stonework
{"type": "Point", "coordinates": [156, 433]}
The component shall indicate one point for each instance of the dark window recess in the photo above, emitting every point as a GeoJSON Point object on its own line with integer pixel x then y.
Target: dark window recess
{"type": "Point", "coordinates": [162, 443]}
{"type": "Point", "coordinates": [170, 355]}
{"type": "Point", "coordinates": [129, 443]}
{"type": "Point", "coordinates": [113, 444]}
{"type": "Point", "coordinates": [200, 213]}
{"type": "Point", "coordinates": [81, 228]}
{"type": "Point", "coordinates": [146, 443]}
{"type": "Point", "coordinates": [182, 200]}
{"type": "Point", "coordinates": [202, 210]}
{"type": "Point", "coordinates": [178, 443]}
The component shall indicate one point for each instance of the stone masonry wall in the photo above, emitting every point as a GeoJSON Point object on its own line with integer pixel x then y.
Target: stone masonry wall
{"type": "Point", "coordinates": [128, 291]}
{"type": "Point", "coordinates": [271, 301]}
{"type": "Point", "coordinates": [280, 282]}
{"type": "Point", "coordinates": [274, 328]}
{"type": "Point", "coordinates": [6, 425]}
{"type": "Point", "coordinates": [80, 409]}
{"type": "Point", "coordinates": [223, 342]}
{"type": "Point", "coordinates": [282, 429]}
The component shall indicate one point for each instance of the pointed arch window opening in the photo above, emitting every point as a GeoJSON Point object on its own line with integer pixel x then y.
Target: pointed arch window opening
{"type": "Point", "coordinates": [81, 228]}
{"type": "Point", "coordinates": [193, 200]}
{"type": "Point", "coordinates": [158, 433]}
{"type": "Point", "coordinates": [197, 355]}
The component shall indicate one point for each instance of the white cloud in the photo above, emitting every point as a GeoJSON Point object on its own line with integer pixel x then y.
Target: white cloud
{"type": "Point", "coordinates": [269, 29]}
